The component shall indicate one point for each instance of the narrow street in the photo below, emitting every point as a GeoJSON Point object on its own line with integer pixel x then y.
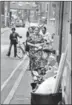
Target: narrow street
{"type": "Point", "coordinates": [12, 68]}
{"type": "Point", "coordinates": [10, 65]}
{"type": "Point", "coordinates": [38, 70]}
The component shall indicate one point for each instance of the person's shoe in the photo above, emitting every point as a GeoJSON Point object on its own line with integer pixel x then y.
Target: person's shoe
{"type": "Point", "coordinates": [7, 55]}
{"type": "Point", "coordinates": [15, 56]}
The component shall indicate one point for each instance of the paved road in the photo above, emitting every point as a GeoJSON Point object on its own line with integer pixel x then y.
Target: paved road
{"type": "Point", "coordinates": [13, 72]}
{"type": "Point", "coordinates": [8, 64]}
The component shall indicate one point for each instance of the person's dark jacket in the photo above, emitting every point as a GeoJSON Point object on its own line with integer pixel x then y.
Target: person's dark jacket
{"type": "Point", "coordinates": [27, 34]}
{"type": "Point", "coordinates": [14, 38]}
{"type": "Point", "coordinates": [27, 40]}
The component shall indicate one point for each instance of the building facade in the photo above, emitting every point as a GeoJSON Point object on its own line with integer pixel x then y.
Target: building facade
{"type": "Point", "coordinates": [63, 23]}
{"type": "Point", "coordinates": [5, 12]}
{"type": "Point", "coordinates": [2, 13]}
{"type": "Point", "coordinates": [66, 40]}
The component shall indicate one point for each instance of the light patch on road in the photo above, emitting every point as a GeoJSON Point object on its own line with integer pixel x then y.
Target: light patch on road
{"type": "Point", "coordinates": [4, 48]}
{"type": "Point", "coordinates": [5, 83]}
{"type": "Point", "coordinates": [14, 88]}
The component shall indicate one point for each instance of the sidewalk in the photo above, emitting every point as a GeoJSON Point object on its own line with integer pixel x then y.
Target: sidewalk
{"type": "Point", "coordinates": [4, 29]}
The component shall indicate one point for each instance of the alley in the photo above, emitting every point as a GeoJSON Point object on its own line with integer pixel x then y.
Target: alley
{"type": "Point", "coordinates": [38, 69]}
{"type": "Point", "coordinates": [11, 67]}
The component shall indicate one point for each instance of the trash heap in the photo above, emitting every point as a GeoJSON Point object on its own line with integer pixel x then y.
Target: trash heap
{"type": "Point", "coordinates": [42, 62]}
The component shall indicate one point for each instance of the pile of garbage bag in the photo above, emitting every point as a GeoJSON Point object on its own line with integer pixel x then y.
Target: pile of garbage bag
{"type": "Point", "coordinates": [42, 60]}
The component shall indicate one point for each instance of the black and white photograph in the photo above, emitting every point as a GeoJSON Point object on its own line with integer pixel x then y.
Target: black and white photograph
{"type": "Point", "coordinates": [35, 52]}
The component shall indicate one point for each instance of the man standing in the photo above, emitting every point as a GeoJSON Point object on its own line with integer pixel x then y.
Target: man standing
{"type": "Point", "coordinates": [13, 41]}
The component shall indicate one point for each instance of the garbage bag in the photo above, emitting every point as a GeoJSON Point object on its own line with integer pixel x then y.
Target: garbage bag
{"type": "Point", "coordinates": [47, 86]}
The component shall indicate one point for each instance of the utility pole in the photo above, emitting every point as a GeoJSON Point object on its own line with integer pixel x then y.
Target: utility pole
{"type": "Point", "coordinates": [2, 13]}
{"type": "Point", "coordinates": [71, 41]}
{"type": "Point", "coordinates": [61, 27]}
{"type": "Point", "coordinates": [0, 17]}
{"type": "Point", "coordinates": [28, 15]}
{"type": "Point", "coordinates": [71, 22]}
{"type": "Point", "coordinates": [0, 31]}
{"type": "Point", "coordinates": [8, 13]}
{"type": "Point", "coordinates": [23, 16]}
{"type": "Point", "coordinates": [40, 10]}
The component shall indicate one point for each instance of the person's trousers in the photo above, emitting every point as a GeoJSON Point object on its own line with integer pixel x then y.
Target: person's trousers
{"type": "Point", "coordinates": [15, 49]}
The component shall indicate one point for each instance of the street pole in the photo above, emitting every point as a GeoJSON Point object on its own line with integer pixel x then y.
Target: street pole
{"type": "Point", "coordinates": [71, 41]}
{"type": "Point", "coordinates": [0, 34]}
{"type": "Point", "coordinates": [71, 23]}
{"type": "Point", "coordinates": [61, 28]}
{"type": "Point", "coordinates": [28, 15]}
{"type": "Point", "coordinates": [9, 13]}
{"type": "Point", "coordinates": [2, 14]}
{"type": "Point", "coordinates": [40, 10]}
{"type": "Point", "coordinates": [0, 20]}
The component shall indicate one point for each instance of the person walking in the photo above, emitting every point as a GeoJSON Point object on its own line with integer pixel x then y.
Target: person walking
{"type": "Point", "coordinates": [13, 42]}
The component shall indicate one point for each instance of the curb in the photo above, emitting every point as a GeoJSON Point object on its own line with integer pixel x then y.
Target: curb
{"type": "Point", "coordinates": [4, 31]}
